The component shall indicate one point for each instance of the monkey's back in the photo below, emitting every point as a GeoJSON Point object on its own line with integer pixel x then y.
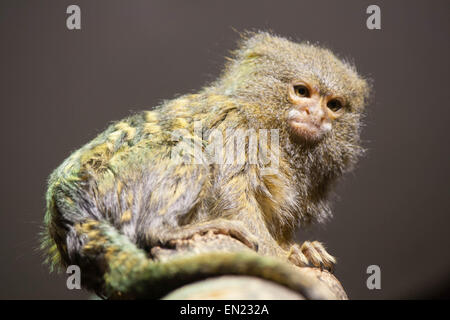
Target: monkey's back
{"type": "Point", "coordinates": [127, 175]}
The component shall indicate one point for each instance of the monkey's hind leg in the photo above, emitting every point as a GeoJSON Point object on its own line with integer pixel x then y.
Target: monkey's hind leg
{"type": "Point", "coordinates": [311, 254]}
{"type": "Point", "coordinates": [232, 228]}
{"type": "Point", "coordinates": [110, 262]}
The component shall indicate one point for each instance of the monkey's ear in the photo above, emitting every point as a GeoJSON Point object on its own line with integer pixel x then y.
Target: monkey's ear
{"type": "Point", "coordinates": [255, 44]}
{"type": "Point", "coordinates": [362, 87]}
{"type": "Point", "coordinates": [363, 91]}
{"type": "Point", "coordinates": [367, 90]}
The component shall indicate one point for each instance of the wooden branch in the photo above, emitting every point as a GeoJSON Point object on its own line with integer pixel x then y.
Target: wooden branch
{"type": "Point", "coordinates": [240, 287]}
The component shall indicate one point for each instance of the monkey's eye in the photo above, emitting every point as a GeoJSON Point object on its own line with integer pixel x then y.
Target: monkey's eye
{"type": "Point", "coordinates": [301, 91]}
{"type": "Point", "coordinates": [334, 105]}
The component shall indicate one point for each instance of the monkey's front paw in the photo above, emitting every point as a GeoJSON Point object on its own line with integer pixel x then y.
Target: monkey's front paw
{"type": "Point", "coordinates": [311, 254]}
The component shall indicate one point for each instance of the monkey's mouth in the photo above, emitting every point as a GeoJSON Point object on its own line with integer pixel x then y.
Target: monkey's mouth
{"type": "Point", "coordinates": [307, 130]}
{"type": "Point", "coordinates": [305, 126]}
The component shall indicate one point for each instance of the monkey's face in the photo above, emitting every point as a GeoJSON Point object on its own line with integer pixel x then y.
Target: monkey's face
{"type": "Point", "coordinates": [306, 91]}
{"type": "Point", "coordinates": [311, 115]}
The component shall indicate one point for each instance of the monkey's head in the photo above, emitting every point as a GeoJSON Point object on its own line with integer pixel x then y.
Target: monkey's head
{"type": "Point", "coordinates": [313, 98]}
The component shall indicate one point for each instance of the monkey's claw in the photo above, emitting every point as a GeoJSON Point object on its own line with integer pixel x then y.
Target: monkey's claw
{"type": "Point", "coordinates": [311, 254]}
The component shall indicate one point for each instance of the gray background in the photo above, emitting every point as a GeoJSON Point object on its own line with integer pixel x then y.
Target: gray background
{"type": "Point", "coordinates": [59, 88]}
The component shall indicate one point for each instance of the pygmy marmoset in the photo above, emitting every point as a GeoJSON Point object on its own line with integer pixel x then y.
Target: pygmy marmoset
{"type": "Point", "coordinates": [124, 192]}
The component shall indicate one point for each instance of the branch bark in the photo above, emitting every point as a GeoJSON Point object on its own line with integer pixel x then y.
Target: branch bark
{"type": "Point", "coordinates": [240, 287]}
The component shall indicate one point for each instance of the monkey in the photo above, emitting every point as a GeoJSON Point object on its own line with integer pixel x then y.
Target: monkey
{"type": "Point", "coordinates": [110, 202]}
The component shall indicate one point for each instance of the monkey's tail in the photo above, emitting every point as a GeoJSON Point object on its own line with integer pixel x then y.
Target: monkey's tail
{"type": "Point", "coordinates": [129, 273]}
{"type": "Point", "coordinates": [160, 278]}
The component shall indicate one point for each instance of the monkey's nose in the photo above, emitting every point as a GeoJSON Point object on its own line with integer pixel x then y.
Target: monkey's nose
{"type": "Point", "coordinates": [318, 111]}
{"type": "Point", "coordinates": [314, 111]}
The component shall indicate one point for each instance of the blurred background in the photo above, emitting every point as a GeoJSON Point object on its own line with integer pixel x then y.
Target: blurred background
{"type": "Point", "coordinates": [59, 88]}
